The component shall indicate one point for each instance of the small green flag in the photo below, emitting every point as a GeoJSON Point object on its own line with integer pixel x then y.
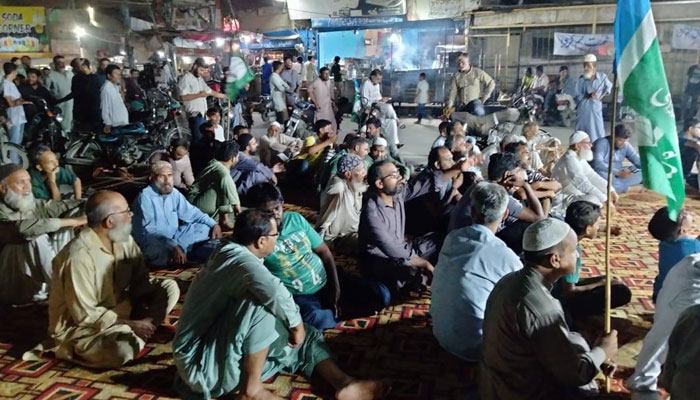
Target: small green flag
{"type": "Point", "coordinates": [239, 76]}
{"type": "Point", "coordinates": [640, 69]}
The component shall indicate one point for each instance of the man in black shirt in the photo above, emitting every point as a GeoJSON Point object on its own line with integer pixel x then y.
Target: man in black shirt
{"type": "Point", "coordinates": [85, 91]}
{"type": "Point", "coordinates": [337, 76]}
{"type": "Point", "coordinates": [32, 89]}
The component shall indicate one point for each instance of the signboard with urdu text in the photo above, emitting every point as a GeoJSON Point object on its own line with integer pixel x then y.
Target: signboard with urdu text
{"type": "Point", "coordinates": [23, 30]}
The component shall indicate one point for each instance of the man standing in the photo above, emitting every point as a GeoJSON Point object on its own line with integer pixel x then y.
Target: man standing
{"type": "Point", "coordinates": [193, 93]}
{"type": "Point", "coordinates": [265, 72]}
{"type": "Point", "coordinates": [470, 87]}
{"type": "Point", "coordinates": [301, 260]}
{"type": "Point", "coordinates": [103, 306]}
{"type": "Point", "coordinates": [31, 233]}
{"type": "Point", "coordinates": [279, 88]}
{"type": "Point", "coordinates": [86, 91]}
{"type": "Point", "coordinates": [15, 111]}
{"type": "Point", "coordinates": [692, 91]}
{"type": "Point", "coordinates": [472, 261]}
{"type": "Point", "coordinates": [575, 174]}
{"type": "Point", "coordinates": [237, 337]}
{"type": "Point", "coordinates": [623, 177]}
{"type": "Point", "coordinates": [591, 88]}
{"type": "Point", "coordinates": [133, 89]}
{"type": "Point", "coordinates": [292, 79]}
{"type": "Point", "coordinates": [297, 65]}
{"type": "Point", "coordinates": [59, 84]}
{"type": "Point", "coordinates": [32, 88]}
{"type": "Point", "coordinates": [528, 351]}
{"type": "Point", "coordinates": [321, 94]}
{"type": "Point", "coordinates": [421, 97]}
{"type": "Point", "coordinates": [337, 73]}
{"type": "Point", "coordinates": [309, 73]}
{"type": "Point", "coordinates": [341, 203]}
{"type": "Point", "coordinates": [167, 227]}
{"type": "Point", "coordinates": [114, 113]}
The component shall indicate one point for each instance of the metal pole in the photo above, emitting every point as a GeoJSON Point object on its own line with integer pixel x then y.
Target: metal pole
{"type": "Point", "coordinates": [608, 222]}
{"type": "Point", "coordinates": [228, 120]}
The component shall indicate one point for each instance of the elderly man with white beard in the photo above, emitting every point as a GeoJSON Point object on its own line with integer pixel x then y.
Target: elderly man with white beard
{"type": "Point", "coordinates": [103, 306]}
{"type": "Point", "coordinates": [341, 204]}
{"type": "Point", "coordinates": [31, 233]}
{"type": "Point", "coordinates": [575, 174]}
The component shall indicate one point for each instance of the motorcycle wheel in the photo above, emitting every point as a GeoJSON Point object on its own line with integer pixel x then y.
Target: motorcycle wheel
{"type": "Point", "coordinates": [265, 116]}
{"type": "Point", "coordinates": [81, 158]}
{"type": "Point", "coordinates": [10, 150]}
{"type": "Point", "coordinates": [567, 119]}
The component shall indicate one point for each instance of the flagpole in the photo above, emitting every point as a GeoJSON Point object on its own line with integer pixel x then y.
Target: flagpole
{"type": "Point", "coordinates": [608, 219]}
{"type": "Point", "coordinates": [228, 120]}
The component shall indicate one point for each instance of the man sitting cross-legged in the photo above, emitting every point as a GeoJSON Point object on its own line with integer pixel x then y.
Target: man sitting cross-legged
{"type": "Point", "coordinates": [471, 262]}
{"type": "Point", "coordinates": [239, 326]}
{"type": "Point", "coordinates": [587, 297]}
{"type": "Point", "coordinates": [341, 203]}
{"type": "Point", "coordinates": [214, 191]}
{"type": "Point", "coordinates": [103, 306]}
{"type": "Point", "coordinates": [528, 351]}
{"type": "Point", "coordinates": [158, 210]}
{"type": "Point", "coordinates": [248, 171]}
{"type": "Point", "coordinates": [624, 177]}
{"type": "Point", "coordinates": [48, 176]}
{"type": "Point", "coordinates": [31, 233]}
{"type": "Point", "coordinates": [300, 260]}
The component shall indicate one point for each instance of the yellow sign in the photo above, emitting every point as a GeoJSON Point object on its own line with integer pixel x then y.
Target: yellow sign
{"type": "Point", "coordinates": [23, 29]}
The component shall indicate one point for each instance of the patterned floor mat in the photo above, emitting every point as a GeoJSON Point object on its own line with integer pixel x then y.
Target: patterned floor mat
{"type": "Point", "coordinates": [395, 344]}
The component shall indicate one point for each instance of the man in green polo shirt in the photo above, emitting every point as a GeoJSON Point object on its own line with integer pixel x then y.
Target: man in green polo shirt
{"type": "Point", "coordinates": [47, 176]}
{"type": "Point", "coordinates": [301, 260]}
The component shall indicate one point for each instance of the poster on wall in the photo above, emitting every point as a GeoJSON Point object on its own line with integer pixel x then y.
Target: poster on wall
{"type": "Point", "coordinates": [309, 9]}
{"type": "Point", "coordinates": [23, 30]}
{"type": "Point", "coordinates": [419, 10]}
{"type": "Point", "coordinates": [686, 37]}
{"type": "Point", "coordinates": [575, 44]}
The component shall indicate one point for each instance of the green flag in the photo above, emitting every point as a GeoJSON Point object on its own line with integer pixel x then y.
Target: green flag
{"type": "Point", "coordinates": [641, 72]}
{"type": "Point", "coordinates": [239, 75]}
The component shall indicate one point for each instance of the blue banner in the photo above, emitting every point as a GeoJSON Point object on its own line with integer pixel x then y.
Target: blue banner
{"type": "Point", "coordinates": [271, 44]}
{"type": "Point", "coordinates": [352, 22]}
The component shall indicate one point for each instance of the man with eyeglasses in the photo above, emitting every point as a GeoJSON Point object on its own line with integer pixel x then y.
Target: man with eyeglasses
{"type": "Point", "coordinates": [103, 305]}
{"type": "Point", "coordinates": [398, 263]}
{"type": "Point", "coordinates": [32, 231]}
{"type": "Point", "coordinates": [167, 227]}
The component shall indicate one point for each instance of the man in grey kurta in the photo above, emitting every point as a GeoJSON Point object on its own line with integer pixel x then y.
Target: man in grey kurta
{"type": "Point", "coordinates": [528, 351]}
{"type": "Point", "coordinates": [31, 233]}
{"type": "Point", "coordinates": [59, 84]}
{"type": "Point", "coordinates": [237, 314]}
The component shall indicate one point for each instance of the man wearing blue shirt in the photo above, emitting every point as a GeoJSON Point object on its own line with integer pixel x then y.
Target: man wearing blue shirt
{"type": "Point", "coordinates": [166, 226]}
{"type": "Point", "coordinates": [623, 176]}
{"type": "Point", "coordinates": [471, 262]}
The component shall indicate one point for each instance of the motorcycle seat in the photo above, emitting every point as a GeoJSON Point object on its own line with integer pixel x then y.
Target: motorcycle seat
{"type": "Point", "coordinates": [130, 129]}
{"type": "Point", "coordinates": [106, 138]}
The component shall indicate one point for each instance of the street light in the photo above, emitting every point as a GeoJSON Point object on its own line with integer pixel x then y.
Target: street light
{"type": "Point", "coordinates": [91, 14]}
{"type": "Point", "coordinates": [79, 31]}
{"type": "Point", "coordinates": [161, 53]}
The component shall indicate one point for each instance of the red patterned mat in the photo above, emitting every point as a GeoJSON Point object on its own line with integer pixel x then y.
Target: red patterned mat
{"type": "Point", "coordinates": [396, 344]}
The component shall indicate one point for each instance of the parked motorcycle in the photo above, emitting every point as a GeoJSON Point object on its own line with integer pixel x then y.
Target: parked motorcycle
{"type": "Point", "coordinates": [563, 112]}
{"type": "Point", "coordinates": [11, 152]}
{"type": "Point", "coordinates": [45, 127]}
{"type": "Point", "coordinates": [530, 106]}
{"type": "Point", "coordinates": [301, 122]}
{"type": "Point", "coordinates": [266, 108]}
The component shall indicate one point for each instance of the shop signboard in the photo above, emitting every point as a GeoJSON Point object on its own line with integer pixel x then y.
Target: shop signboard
{"type": "Point", "coordinates": [420, 10]}
{"type": "Point", "coordinates": [271, 44]}
{"type": "Point", "coordinates": [309, 9]}
{"type": "Point", "coordinates": [23, 30]}
{"type": "Point", "coordinates": [356, 22]}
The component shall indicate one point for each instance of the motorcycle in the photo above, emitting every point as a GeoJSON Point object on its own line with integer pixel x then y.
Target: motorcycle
{"type": "Point", "coordinates": [266, 108]}
{"type": "Point", "coordinates": [127, 147]}
{"type": "Point", "coordinates": [11, 152]}
{"type": "Point", "coordinates": [564, 111]}
{"type": "Point", "coordinates": [530, 106]}
{"type": "Point", "coordinates": [45, 127]}
{"type": "Point", "coordinates": [301, 120]}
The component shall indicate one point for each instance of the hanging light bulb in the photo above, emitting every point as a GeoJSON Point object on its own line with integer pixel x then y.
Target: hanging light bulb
{"type": "Point", "coordinates": [79, 31]}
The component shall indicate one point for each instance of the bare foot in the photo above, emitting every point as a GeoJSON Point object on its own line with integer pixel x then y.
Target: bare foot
{"type": "Point", "coordinates": [261, 394]}
{"type": "Point", "coordinates": [364, 390]}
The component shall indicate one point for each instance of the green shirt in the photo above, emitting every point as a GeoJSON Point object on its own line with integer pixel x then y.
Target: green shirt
{"type": "Point", "coordinates": [40, 187]}
{"type": "Point", "coordinates": [213, 191]}
{"type": "Point", "coordinates": [293, 261]}
{"type": "Point", "coordinates": [558, 287]}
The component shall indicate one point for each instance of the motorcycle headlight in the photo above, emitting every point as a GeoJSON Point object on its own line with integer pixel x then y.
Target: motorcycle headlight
{"type": "Point", "coordinates": [59, 118]}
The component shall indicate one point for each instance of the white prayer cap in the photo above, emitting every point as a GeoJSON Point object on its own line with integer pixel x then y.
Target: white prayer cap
{"type": "Point", "coordinates": [275, 123]}
{"type": "Point", "coordinates": [380, 141]}
{"type": "Point", "coordinates": [513, 138]}
{"type": "Point", "coordinates": [545, 234]}
{"type": "Point", "coordinates": [578, 137]}
{"type": "Point", "coordinates": [590, 58]}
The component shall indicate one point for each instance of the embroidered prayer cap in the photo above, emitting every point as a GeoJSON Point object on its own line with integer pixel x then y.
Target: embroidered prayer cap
{"type": "Point", "coordinates": [380, 141]}
{"type": "Point", "coordinates": [545, 234]}
{"type": "Point", "coordinates": [590, 58]}
{"type": "Point", "coordinates": [348, 162]}
{"type": "Point", "coordinates": [8, 169]}
{"type": "Point", "coordinates": [578, 137]}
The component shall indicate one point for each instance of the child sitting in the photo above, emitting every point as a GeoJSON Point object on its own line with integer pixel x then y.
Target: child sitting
{"type": "Point", "coordinates": [674, 242]}
{"type": "Point", "coordinates": [214, 116]}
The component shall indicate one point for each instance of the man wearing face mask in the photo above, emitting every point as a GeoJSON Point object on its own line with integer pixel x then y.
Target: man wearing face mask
{"type": "Point", "coordinates": [576, 175]}
{"type": "Point", "coordinates": [31, 233]}
{"type": "Point", "coordinates": [103, 305]}
{"type": "Point", "coordinates": [470, 87]}
{"type": "Point", "coordinates": [114, 113]}
{"type": "Point", "coordinates": [193, 93]}
{"type": "Point", "coordinates": [591, 88]}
